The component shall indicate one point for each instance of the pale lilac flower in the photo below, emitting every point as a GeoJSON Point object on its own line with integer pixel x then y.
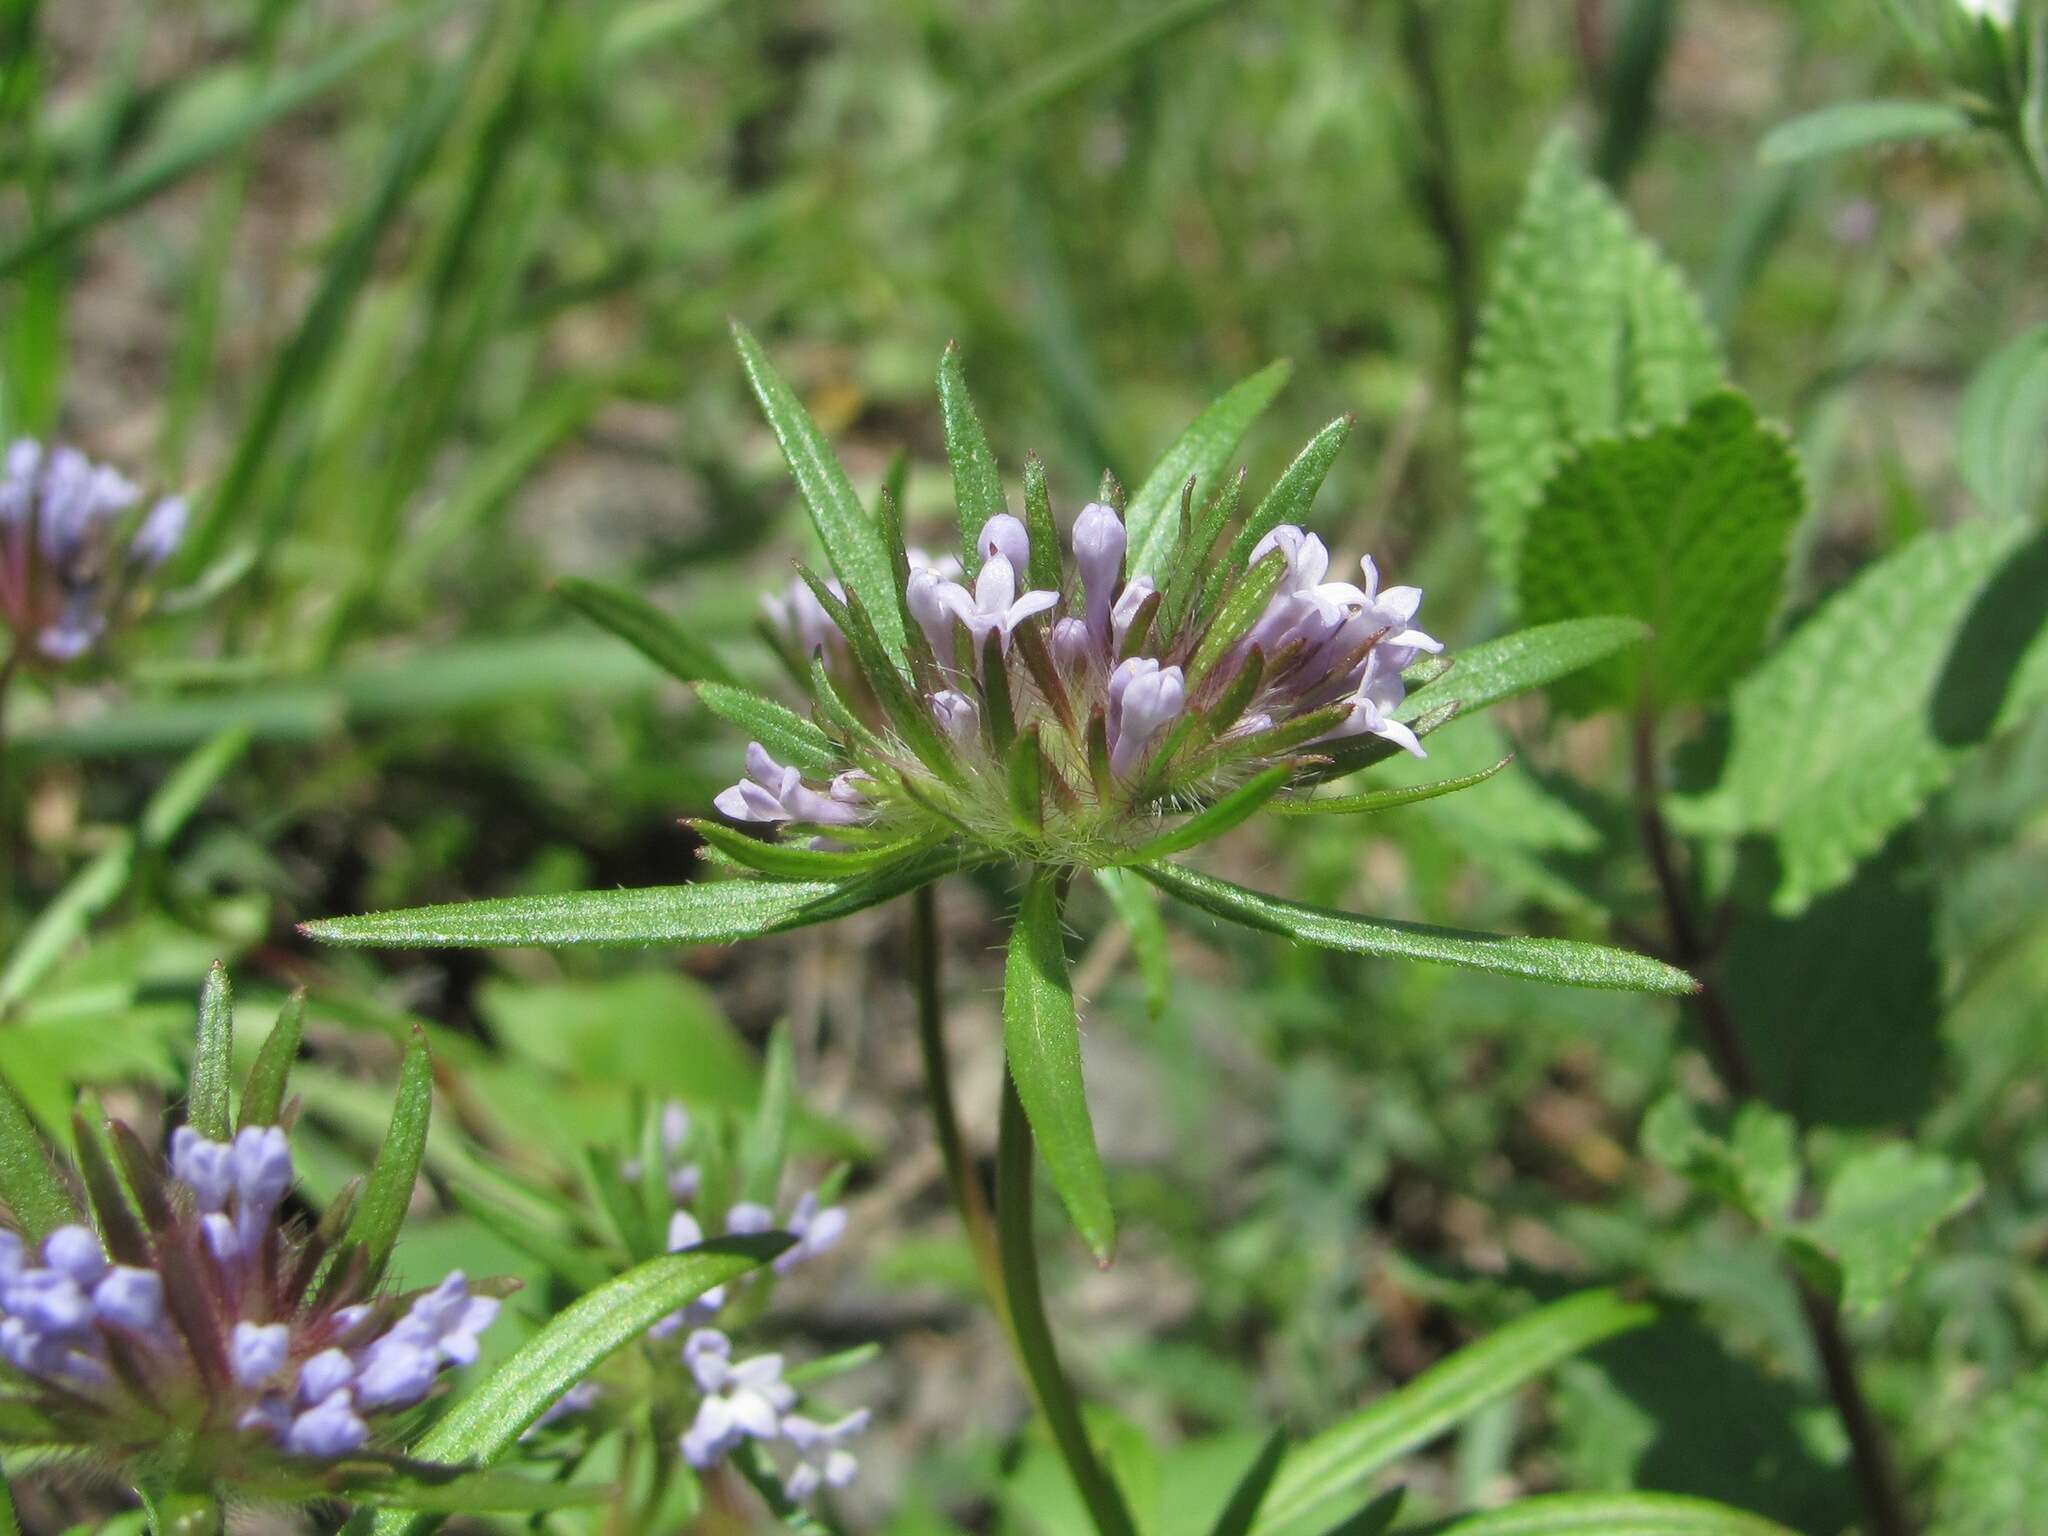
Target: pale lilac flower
{"type": "Point", "coordinates": [1099, 542]}
{"type": "Point", "coordinates": [742, 1399]}
{"type": "Point", "coordinates": [822, 1458]}
{"type": "Point", "coordinates": [333, 1428]}
{"type": "Point", "coordinates": [796, 614]}
{"type": "Point", "coordinates": [957, 715]}
{"type": "Point", "coordinates": [770, 792]}
{"type": "Point", "coordinates": [815, 1231]}
{"type": "Point", "coordinates": [1144, 698]}
{"type": "Point", "coordinates": [257, 1351]}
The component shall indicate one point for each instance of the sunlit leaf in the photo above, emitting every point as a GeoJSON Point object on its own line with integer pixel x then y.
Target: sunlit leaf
{"type": "Point", "coordinates": [1203, 451]}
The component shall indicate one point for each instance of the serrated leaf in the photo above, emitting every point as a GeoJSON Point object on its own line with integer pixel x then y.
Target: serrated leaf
{"type": "Point", "coordinates": [1684, 527]}
{"type": "Point", "coordinates": [852, 541]}
{"type": "Point", "coordinates": [1338, 1460]}
{"type": "Point", "coordinates": [1847, 125]}
{"type": "Point", "coordinates": [29, 1186]}
{"type": "Point", "coordinates": [1042, 1040]}
{"type": "Point", "coordinates": [264, 1093]}
{"type": "Point", "coordinates": [380, 1211]}
{"type": "Point", "coordinates": [977, 485]}
{"type": "Point", "coordinates": [1527, 659]}
{"type": "Point", "coordinates": [1995, 1481]}
{"type": "Point", "coordinates": [1751, 1163]}
{"type": "Point", "coordinates": [206, 1109]}
{"type": "Point", "coordinates": [1615, 1514]}
{"type": "Point", "coordinates": [1565, 962]}
{"type": "Point", "coordinates": [789, 738]}
{"type": "Point", "coordinates": [646, 628]}
{"type": "Point", "coordinates": [487, 1420]}
{"type": "Point", "coordinates": [1153, 518]}
{"type": "Point", "coordinates": [716, 912]}
{"type": "Point", "coordinates": [1843, 732]}
{"type": "Point", "coordinates": [2002, 426]}
{"type": "Point", "coordinates": [1588, 332]}
{"type": "Point", "coordinates": [1882, 1208]}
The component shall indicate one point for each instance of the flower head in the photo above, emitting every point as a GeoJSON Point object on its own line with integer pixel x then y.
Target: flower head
{"type": "Point", "coordinates": [1069, 723]}
{"type": "Point", "coordinates": [64, 575]}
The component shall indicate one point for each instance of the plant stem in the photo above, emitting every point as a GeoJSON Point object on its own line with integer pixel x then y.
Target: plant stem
{"type": "Point", "coordinates": [1869, 1451]}
{"type": "Point", "coordinates": [1033, 1333]}
{"type": "Point", "coordinates": [969, 1199]}
{"type": "Point", "coordinates": [1434, 178]}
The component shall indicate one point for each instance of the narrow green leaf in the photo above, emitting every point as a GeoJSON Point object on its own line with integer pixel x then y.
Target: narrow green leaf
{"type": "Point", "coordinates": [217, 135]}
{"type": "Point", "coordinates": [1203, 452]}
{"type": "Point", "coordinates": [1236, 1516]}
{"type": "Point", "coordinates": [2002, 426]}
{"type": "Point", "coordinates": [1042, 1038]}
{"type": "Point", "coordinates": [906, 710]}
{"type": "Point", "coordinates": [1684, 526]}
{"type": "Point", "coordinates": [790, 861]}
{"type": "Point", "coordinates": [977, 485]}
{"type": "Point", "coordinates": [1847, 125]}
{"type": "Point", "coordinates": [264, 1094]}
{"type": "Point", "coordinates": [475, 1493]}
{"type": "Point", "coordinates": [1565, 962]}
{"type": "Point", "coordinates": [213, 1059]}
{"type": "Point", "coordinates": [1240, 611]}
{"type": "Point", "coordinates": [789, 737]}
{"type": "Point", "coordinates": [632, 1221]}
{"type": "Point", "coordinates": [1529, 658]}
{"type": "Point", "coordinates": [646, 628]}
{"type": "Point", "coordinates": [1291, 496]}
{"type": "Point", "coordinates": [488, 1420]}
{"type": "Point", "coordinates": [29, 1186]}
{"type": "Point", "coordinates": [851, 540]}
{"type": "Point", "coordinates": [1336, 1461]}
{"type": "Point", "coordinates": [766, 1142]}
{"type": "Point", "coordinates": [718, 912]}
{"type": "Point", "coordinates": [1372, 800]}
{"type": "Point", "coordinates": [1038, 523]}
{"type": "Point", "coordinates": [1212, 822]}
{"type": "Point", "coordinates": [65, 918]}
{"type": "Point", "coordinates": [1137, 907]}
{"type": "Point", "coordinates": [1614, 1514]}
{"type": "Point", "coordinates": [381, 1211]}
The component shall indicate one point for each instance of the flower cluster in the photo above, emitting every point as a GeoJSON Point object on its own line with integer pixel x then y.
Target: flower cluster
{"type": "Point", "coordinates": [1059, 722]}
{"type": "Point", "coordinates": [215, 1322]}
{"type": "Point", "coordinates": [737, 1400]}
{"type": "Point", "coordinates": [63, 574]}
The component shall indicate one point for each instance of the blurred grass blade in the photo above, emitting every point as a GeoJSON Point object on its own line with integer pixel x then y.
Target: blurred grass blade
{"type": "Point", "coordinates": [208, 141]}
{"type": "Point", "coordinates": [206, 1109]}
{"type": "Point", "coordinates": [719, 912]}
{"type": "Point", "coordinates": [1203, 451]}
{"type": "Point", "coordinates": [488, 1420]}
{"type": "Point", "coordinates": [473, 1493]}
{"type": "Point", "coordinates": [1137, 907]}
{"type": "Point", "coordinates": [264, 1094]}
{"type": "Point", "coordinates": [381, 1211]}
{"type": "Point", "coordinates": [977, 483]}
{"type": "Point", "coordinates": [29, 1186]}
{"type": "Point", "coordinates": [1336, 1461]}
{"type": "Point", "coordinates": [646, 628]}
{"type": "Point", "coordinates": [1042, 1038]}
{"type": "Point", "coordinates": [1372, 800]}
{"type": "Point", "coordinates": [788, 736]}
{"type": "Point", "coordinates": [1235, 1518]}
{"type": "Point", "coordinates": [1563, 962]}
{"type": "Point", "coordinates": [84, 896]}
{"type": "Point", "coordinates": [766, 1142]}
{"type": "Point", "coordinates": [294, 378]}
{"type": "Point", "coordinates": [1212, 822]}
{"type": "Point", "coordinates": [1088, 61]}
{"type": "Point", "coordinates": [851, 539]}
{"type": "Point", "coordinates": [1614, 1514]}
{"type": "Point", "coordinates": [1848, 125]}
{"type": "Point", "coordinates": [189, 784]}
{"type": "Point", "coordinates": [1528, 658]}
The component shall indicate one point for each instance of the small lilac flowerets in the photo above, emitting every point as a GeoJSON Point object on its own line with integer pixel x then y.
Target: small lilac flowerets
{"type": "Point", "coordinates": [745, 1398]}
{"type": "Point", "coordinates": [61, 579]}
{"type": "Point", "coordinates": [1142, 704]}
{"type": "Point", "coordinates": [216, 1324]}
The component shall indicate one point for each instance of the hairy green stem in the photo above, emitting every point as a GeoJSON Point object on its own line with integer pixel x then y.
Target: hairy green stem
{"type": "Point", "coordinates": [1869, 1449]}
{"type": "Point", "coordinates": [1031, 1330]}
